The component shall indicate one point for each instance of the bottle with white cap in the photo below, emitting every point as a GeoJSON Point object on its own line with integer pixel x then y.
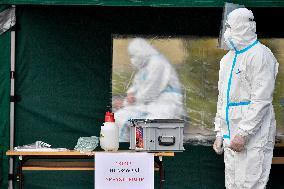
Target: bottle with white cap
{"type": "Point", "coordinates": [109, 134]}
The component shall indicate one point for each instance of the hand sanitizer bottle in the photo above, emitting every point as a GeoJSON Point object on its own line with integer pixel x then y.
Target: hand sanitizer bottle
{"type": "Point", "coordinates": [109, 134]}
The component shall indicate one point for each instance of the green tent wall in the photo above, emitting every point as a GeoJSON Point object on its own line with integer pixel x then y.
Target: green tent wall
{"type": "Point", "coordinates": [63, 78]}
{"type": "Point", "coordinates": [153, 3]}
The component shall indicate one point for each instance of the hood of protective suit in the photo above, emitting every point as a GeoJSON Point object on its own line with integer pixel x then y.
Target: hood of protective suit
{"type": "Point", "coordinates": [241, 31]}
{"type": "Point", "coordinates": [140, 51]}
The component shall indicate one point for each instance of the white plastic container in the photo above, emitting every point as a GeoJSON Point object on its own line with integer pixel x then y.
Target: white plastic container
{"type": "Point", "coordinates": [109, 134]}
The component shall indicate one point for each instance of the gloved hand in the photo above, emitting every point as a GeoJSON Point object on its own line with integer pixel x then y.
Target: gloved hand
{"type": "Point", "coordinates": [218, 145]}
{"type": "Point", "coordinates": [238, 143]}
{"type": "Point", "coordinates": [130, 98]}
{"type": "Point", "coordinates": [118, 103]}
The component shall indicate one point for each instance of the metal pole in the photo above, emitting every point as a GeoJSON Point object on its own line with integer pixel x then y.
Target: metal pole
{"type": "Point", "coordinates": [12, 104]}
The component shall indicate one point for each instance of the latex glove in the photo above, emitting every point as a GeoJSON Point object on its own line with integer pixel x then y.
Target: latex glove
{"type": "Point", "coordinates": [238, 143]}
{"type": "Point", "coordinates": [218, 145]}
{"type": "Point", "coordinates": [130, 98]}
{"type": "Point", "coordinates": [118, 103]}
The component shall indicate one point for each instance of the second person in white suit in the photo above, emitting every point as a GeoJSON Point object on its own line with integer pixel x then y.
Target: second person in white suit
{"type": "Point", "coordinates": [155, 92]}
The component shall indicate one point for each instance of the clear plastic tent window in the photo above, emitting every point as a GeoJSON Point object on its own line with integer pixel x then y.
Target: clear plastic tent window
{"type": "Point", "coordinates": [194, 66]}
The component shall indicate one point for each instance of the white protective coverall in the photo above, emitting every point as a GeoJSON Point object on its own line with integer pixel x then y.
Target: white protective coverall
{"type": "Point", "coordinates": [156, 88]}
{"type": "Point", "coordinates": [246, 84]}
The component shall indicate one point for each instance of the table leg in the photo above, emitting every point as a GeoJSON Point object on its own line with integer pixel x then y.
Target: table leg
{"type": "Point", "coordinates": [159, 162]}
{"type": "Point", "coordinates": [20, 173]}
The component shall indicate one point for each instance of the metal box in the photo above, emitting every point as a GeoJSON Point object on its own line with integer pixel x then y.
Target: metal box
{"type": "Point", "coordinates": [156, 134]}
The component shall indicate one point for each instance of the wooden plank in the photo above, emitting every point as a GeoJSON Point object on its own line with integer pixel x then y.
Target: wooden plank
{"type": "Point", "coordinates": [61, 166]}
{"type": "Point", "coordinates": [58, 169]}
{"type": "Point", "coordinates": [65, 153]}
{"type": "Point", "coordinates": [169, 154]}
{"type": "Point", "coordinates": [278, 160]}
{"type": "Point", "coordinates": [32, 165]}
{"type": "Point", "coordinates": [74, 153]}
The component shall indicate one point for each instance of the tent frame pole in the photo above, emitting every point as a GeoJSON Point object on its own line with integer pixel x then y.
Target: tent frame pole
{"type": "Point", "coordinates": [12, 104]}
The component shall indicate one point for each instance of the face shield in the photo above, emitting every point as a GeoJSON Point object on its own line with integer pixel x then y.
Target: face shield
{"type": "Point", "coordinates": [225, 27]}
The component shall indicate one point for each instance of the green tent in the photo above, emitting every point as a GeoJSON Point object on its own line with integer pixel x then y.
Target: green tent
{"type": "Point", "coordinates": [63, 63]}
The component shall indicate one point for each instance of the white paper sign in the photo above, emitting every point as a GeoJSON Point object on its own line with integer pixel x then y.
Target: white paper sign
{"type": "Point", "coordinates": [131, 170]}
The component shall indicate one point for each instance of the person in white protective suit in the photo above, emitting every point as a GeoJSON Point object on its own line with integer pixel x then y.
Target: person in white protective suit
{"type": "Point", "coordinates": [245, 121]}
{"type": "Point", "coordinates": [155, 92]}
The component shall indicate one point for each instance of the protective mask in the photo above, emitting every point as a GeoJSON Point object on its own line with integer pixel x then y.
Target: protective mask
{"type": "Point", "coordinates": [137, 62]}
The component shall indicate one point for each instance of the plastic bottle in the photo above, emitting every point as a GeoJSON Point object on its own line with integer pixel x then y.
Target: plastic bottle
{"type": "Point", "coordinates": [109, 134]}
